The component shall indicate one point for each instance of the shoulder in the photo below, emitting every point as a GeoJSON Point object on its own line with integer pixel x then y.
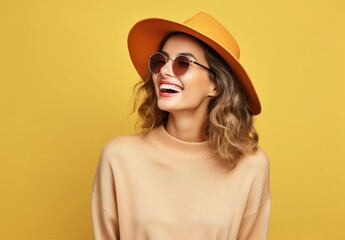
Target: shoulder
{"type": "Point", "coordinates": [259, 157]}
{"type": "Point", "coordinates": [256, 162]}
{"type": "Point", "coordinates": [121, 146]}
{"type": "Point", "coordinates": [122, 141]}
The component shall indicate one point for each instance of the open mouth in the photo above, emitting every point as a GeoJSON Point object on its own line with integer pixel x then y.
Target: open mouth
{"type": "Point", "coordinates": [169, 88]}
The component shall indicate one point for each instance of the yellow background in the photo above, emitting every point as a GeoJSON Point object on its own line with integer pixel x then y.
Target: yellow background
{"type": "Point", "coordinates": [65, 89]}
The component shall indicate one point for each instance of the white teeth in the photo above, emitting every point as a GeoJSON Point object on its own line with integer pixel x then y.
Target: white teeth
{"type": "Point", "coordinates": [170, 87]}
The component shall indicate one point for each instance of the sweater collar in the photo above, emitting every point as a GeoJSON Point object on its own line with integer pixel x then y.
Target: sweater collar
{"type": "Point", "coordinates": [163, 140]}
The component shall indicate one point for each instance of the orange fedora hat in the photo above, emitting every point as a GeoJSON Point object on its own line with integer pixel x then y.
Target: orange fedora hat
{"type": "Point", "coordinates": [146, 36]}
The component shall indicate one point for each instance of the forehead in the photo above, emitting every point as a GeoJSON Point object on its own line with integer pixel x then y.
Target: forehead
{"type": "Point", "coordinates": [182, 43]}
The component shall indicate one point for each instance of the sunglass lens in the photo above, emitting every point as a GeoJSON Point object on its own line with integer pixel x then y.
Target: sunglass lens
{"type": "Point", "coordinates": [157, 61]}
{"type": "Point", "coordinates": [180, 65]}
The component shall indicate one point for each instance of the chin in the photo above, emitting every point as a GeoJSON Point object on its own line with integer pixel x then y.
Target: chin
{"type": "Point", "coordinates": [163, 107]}
{"type": "Point", "coordinates": [166, 107]}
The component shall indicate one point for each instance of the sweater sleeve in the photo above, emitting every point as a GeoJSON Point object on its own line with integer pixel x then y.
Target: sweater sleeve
{"type": "Point", "coordinates": [104, 209]}
{"type": "Point", "coordinates": [255, 222]}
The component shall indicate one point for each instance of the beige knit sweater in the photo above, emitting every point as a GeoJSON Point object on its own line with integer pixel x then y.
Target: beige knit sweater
{"type": "Point", "coordinates": [156, 187]}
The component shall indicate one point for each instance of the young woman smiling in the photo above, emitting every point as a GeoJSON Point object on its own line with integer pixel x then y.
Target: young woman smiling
{"type": "Point", "coordinates": [195, 171]}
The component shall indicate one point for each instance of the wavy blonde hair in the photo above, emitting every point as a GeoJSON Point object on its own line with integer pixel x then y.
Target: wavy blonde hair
{"type": "Point", "coordinates": [229, 124]}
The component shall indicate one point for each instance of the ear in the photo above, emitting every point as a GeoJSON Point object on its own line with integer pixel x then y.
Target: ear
{"type": "Point", "coordinates": [213, 91]}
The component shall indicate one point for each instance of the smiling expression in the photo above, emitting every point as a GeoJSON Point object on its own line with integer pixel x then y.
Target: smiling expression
{"type": "Point", "coordinates": [191, 91]}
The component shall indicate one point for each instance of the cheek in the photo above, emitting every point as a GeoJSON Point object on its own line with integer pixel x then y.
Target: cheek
{"type": "Point", "coordinates": [199, 84]}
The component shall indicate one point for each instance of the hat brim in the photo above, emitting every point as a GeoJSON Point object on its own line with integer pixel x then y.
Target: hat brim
{"type": "Point", "coordinates": [146, 36]}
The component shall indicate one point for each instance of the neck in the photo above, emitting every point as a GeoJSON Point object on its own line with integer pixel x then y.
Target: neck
{"type": "Point", "coordinates": [185, 127]}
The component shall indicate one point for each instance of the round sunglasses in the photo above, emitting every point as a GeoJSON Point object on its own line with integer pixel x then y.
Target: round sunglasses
{"type": "Point", "coordinates": [179, 67]}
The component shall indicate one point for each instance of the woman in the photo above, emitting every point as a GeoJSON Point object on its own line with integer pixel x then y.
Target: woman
{"type": "Point", "coordinates": [196, 171]}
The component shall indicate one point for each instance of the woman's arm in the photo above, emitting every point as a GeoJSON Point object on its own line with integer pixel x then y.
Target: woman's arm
{"type": "Point", "coordinates": [255, 222]}
{"type": "Point", "coordinates": [255, 226]}
{"type": "Point", "coordinates": [104, 207]}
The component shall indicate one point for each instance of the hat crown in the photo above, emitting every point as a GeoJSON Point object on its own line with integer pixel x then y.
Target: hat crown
{"type": "Point", "coordinates": [214, 30]}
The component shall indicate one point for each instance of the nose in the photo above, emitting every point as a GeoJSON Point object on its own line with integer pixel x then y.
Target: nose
{"type": "Point", "coordinates": [166, 69]}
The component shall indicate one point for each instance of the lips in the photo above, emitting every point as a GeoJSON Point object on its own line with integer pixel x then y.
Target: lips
{"type": "Point", "coordinates": [169, 89]}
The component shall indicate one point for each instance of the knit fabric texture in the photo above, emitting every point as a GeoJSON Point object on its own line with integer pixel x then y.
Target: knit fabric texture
{"type": "Point", "coordinates": [157, 187]}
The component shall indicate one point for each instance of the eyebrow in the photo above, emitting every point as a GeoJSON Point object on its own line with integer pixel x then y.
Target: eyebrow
{"type": "Point", "coordinates": [180, 54]}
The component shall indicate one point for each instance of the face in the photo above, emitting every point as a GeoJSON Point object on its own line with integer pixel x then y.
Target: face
{"type": "Point", "coordinates": [191, 91]}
